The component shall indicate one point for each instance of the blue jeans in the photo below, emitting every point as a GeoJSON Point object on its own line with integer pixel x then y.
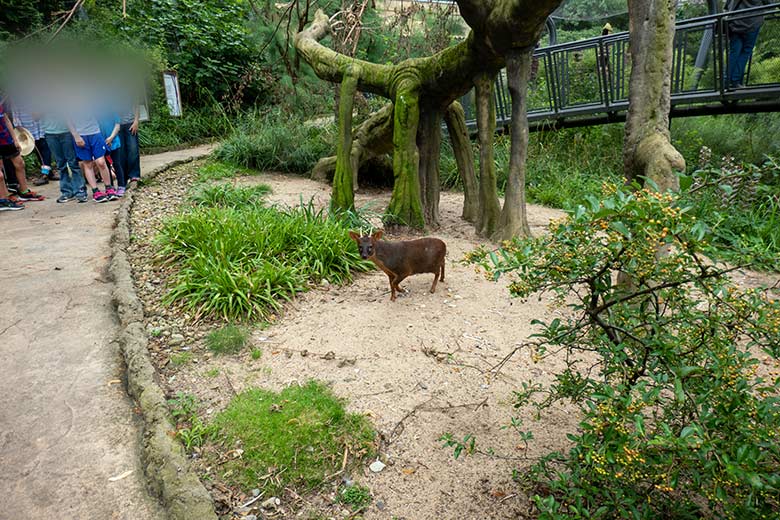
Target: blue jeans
{"type": "Point", "coordinates": [740, 49]}
{"type": "Point", "coordinates": [71, 182]}
{"type": "Point", "coordinates": [129, 157]}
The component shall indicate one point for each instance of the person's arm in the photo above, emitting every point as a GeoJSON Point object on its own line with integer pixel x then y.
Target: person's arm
{"type": "Point", "coordinates": [134, 126]}
{"type": "Point", "coordinates": [10, 128]}
{"type": "Point", "coordinates": [76, 137]}
{"type": "Point", "coordinates": [113, 135]}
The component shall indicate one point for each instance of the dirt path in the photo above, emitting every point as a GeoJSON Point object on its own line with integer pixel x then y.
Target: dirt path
{"type": "Point", "coordinates": [66, 424]}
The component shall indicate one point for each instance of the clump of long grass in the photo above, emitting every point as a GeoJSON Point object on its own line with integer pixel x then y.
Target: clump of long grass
{"type": "Point", "coordinates": [243, 263]}
{"type": "Point", "coordinates": [228, 196]}
{"type": "Point", "coordinates": [277, 142]}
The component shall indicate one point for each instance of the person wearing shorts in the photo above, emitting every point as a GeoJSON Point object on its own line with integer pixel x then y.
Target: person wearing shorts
{"type": "Point", "coordinates": [90, 147]}
{"type": "Point", "coordinates": [10, 149]}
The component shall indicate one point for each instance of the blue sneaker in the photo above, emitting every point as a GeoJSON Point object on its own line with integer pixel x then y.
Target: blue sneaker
{"type": "Point", "coordinates": [10, 205]}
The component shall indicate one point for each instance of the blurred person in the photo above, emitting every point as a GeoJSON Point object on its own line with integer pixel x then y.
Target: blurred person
{"type": "Point", "coordinates": [90, 148]}
{"type": "Point", "coordinates": [11, 149]}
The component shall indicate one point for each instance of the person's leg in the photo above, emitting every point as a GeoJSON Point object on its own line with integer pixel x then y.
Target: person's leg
{"type": "Point", "coordinates": [733, 75]}
{"type": "Point", "coordinates": [56, 147]}
{"type": "Point", "coordinates": [133, 170]}
{"type": "Point", "coordinates": [6, 204]}
{"type": "Point", "coordinates": [748, 43]}
{"type": "Point", "coordinates": [121, 181]}
{"type": "Point", "coordinates": [102, 167]}
{"type": "Point", "coordinates": [10, 173]}
{"type": "Point", "coordinates": [76, 177]}
{"type": "Point", "coordinates": [88, 167]}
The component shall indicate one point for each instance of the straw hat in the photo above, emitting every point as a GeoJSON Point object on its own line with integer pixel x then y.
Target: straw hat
{"type": "Point", "coordinates": [26, 140]}
{"type": "Point", "coordinates": [607, 27]}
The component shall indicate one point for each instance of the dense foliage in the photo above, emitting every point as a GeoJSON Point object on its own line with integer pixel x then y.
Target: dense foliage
{"type": "Point", "coordinates": [679, 417]}
{"type": "Point", "coordinates": [241, 260]}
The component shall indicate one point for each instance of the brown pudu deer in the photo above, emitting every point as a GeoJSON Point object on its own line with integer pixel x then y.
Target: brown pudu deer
{"type": "Point", "coordinates": [401, 259]}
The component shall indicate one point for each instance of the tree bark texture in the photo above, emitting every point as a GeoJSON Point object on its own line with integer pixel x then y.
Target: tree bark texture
{"type": "Point", "coordinates": [647, 149]}
{"type": "Point", "coordinates": [461, 148]}
{"type": "Point", "coordinates": [514, 218]}
{"type": "Point", "coordinates": [429, 146]}
{"type": "Point", "coordinates": [343, 197]}
{"type": "Point", "coordinates": [489, 206]}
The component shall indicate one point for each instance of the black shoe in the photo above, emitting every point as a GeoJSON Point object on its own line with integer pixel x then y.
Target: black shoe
{"type": "Point", "coordinates": [40, 181]}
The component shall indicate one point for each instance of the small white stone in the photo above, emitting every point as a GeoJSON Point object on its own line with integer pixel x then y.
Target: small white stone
{"type": "Point", "coordinates": [377, 466]}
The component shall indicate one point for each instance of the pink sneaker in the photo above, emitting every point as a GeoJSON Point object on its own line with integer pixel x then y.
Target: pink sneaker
{"type": "Point", "coordinates": [111, 193]}
{"type": "Point", "coordinates": [99, 196]}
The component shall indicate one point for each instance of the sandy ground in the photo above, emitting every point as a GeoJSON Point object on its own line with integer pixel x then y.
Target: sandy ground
{"type": "Point", "coordinates": [417, 366]}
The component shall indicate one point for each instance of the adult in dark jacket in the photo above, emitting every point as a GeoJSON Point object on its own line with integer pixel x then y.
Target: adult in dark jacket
{"type": "Point", "coordinates": [743, 33]}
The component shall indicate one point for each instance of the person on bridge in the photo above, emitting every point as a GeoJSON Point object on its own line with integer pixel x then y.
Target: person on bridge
{"type": "Point", "coordinates": [743, 33]}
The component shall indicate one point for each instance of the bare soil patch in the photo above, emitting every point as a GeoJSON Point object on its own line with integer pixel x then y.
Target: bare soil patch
{"type": "Point", "coordinates": [417, 366]}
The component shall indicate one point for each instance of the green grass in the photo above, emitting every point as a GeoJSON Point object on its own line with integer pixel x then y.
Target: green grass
{"type": "Point", "coordinates": [230, 339]}
{"type": "Point", "coordinates": [256, 354]}
{"type": "Point", "coordinates": [244, 263]}
{"type": "Point", "coordinates": [181, 358]}
{"type": "Point", "coordinates": [298, 434]}
{"type": "Point", "coordinates": [356, 497]}
{"type": "Point", "coordinates": [217, 170]}
{"type": "Point", "coordinates": [195, 125]}
{"type": "Point", "coordinates": [228, 196]}
{"type": "Point", "coordinates": [213, 372]}
{"type": "Point", "coordinates": [276, 141]}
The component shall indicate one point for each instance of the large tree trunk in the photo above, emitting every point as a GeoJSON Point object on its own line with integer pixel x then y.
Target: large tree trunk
{"type": "Point", "coordinates": [429, 145]}
{"type": "Point", "coordinates": [647, 149]}
{"type": "Point", "coordinates": [514, 220]}
{"type": "Point", "coordinates": [405, 207]}
{"type": "Point", "coordinates": [461, 148]}
{"type": "Point", "coordinates": [343, 197]}
{"type": "Point", "coordinates": [489, 206]}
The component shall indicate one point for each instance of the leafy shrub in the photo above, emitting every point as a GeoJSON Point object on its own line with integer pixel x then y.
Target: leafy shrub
{"type": "Point", "coordinates": [242, 263]}
{"type": "Point", "coordinates": [677, 421]}
{"type": "Point", "coordinates": [741, 204]}
{"type": "Point", "coordinates": [195, 125]}
{"type": "Point", "coordinates": [277, 142]}
{"type": "Point", "coordinates": [230, 339]}
{"type": "Point", "coordinates": [228, 196]}
{"type": "Point", "coordinates": [297, 434]}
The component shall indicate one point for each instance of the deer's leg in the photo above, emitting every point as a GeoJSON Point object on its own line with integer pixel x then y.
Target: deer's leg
{"type": "Point", "coordinates": [398, 279]}
{"type": "Point", "coordinates": [442, 270]}
{"type": "Point", "coordinates": [392, 278]}
{"type": "Point", "coordinates": [435, 281]}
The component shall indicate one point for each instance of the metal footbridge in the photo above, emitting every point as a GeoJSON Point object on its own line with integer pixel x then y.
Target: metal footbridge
{"type": "Point", "coordinates": [585, 82]}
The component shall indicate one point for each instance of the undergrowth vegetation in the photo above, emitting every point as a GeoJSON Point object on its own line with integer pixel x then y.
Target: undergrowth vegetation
{"type": "Point", "coordinates": [297, 436]}
{"type": "Point", "coordinates": [679, 418]}
{"type": "Point", "coordinates": [240, 260]}
{"type": "Point", "coordinates": [230, 339]}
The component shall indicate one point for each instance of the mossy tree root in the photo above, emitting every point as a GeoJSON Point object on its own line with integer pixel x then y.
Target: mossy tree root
{"type": "Point", "coordinates": [464, 158]}
{"type": "Point", "coordinates": [343, 196]}
{"type": "Point", "coordinates": [405, 205]}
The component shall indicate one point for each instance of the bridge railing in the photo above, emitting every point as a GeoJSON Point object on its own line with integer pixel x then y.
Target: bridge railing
{"type": "Point", "coordinates": [587, 79]}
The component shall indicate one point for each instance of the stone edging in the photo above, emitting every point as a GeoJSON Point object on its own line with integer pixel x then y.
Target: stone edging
{"type": "Point", "coordinates": [165, 464]}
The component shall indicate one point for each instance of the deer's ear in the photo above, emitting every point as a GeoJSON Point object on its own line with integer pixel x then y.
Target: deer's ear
{"type": "Point", "coordinates": [354, 236]}
{"type": "Point", "coordinates": [377, 235]}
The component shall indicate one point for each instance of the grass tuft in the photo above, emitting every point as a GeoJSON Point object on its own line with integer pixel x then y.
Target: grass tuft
{"type": "Point", "coordinates": [228, 196]}
{"type": "Point", "coordinates": [243, 263]}
{"type": "Point", "coordinates": [299, 435]}
{"type": "Point", "coordinates": [230, 339]}
{"type": "Point", "coordinates": [217, 170]}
